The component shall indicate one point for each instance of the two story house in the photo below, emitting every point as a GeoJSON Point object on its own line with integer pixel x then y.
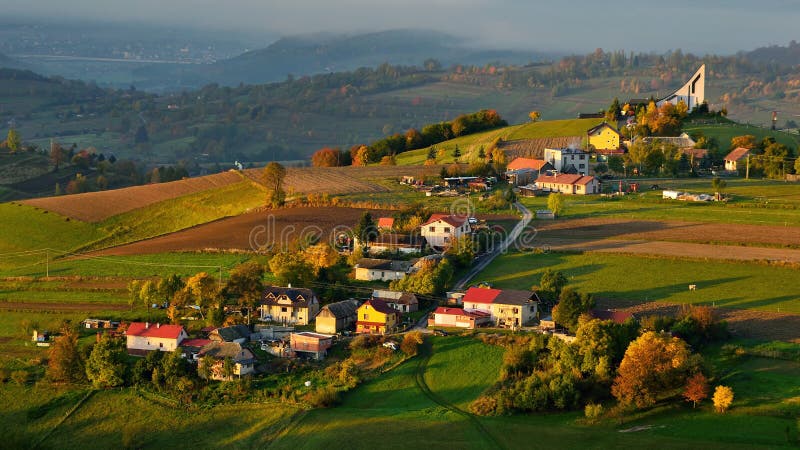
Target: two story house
{"type": "Point", "coordinates": [440, 229]}
{"type": "Point", "coordinates": [568, 160]}
{"type": "Point", "coordinates": [507, 307]}
{"type": "Point", "coordinates": [288, 305]}
{"type": "Point", "coordinates": [142, 337]}
{"type": "Point", "coordinates": [376, 317]}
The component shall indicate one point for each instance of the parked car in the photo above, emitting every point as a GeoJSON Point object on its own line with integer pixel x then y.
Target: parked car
{"type": "Point", "coordinates": [472, 221]}
{"type": "Point", "coordinates": [391, 345]}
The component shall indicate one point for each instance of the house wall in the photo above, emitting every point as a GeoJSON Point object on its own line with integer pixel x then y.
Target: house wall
{"type": "Point", "coordinates": [440, 233]}
{"type": "Point", "coordinates": [731, 165]}
{"type": "Point", "coordinates": [365, 274]}
{"type": "Point", "coordinates": [506, 315]}
{"type": "Point", "coordinates": [559, 160]}
{"type": "Point", "coordinates": [374, 322]}
{"type": "Point", "coordinates": [286, 313]}
{"type": "Point", "coordinates": [151, 343]}
{"type": "Point", "coordinates": [604, 139]}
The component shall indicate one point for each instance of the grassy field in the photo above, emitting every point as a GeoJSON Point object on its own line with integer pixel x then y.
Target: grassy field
{"type": "Point", "coordinates": [725, 132]}
{"type": "Point", "coordinates": [471, 143]}
{"type": "Point", "coordinates": [26, 228]}
{"type": "Point", "coordinates": [640, 279]}
{"type": "Point", "coordinates": [757, 202]}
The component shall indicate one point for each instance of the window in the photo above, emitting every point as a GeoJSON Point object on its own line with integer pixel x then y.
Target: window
{"type": "Point", "coordinates": [283, 309]}
{"type": "Point", "coordinates": [160, 345]}
{"type": "Point", "coordinates": [446, 229]}
{"type": "Point", "coordinates": [582, 157]}
{"type": "Point", "coordinates": [432, 229]}
{"type": "Point", "coordinates": [366, 316]}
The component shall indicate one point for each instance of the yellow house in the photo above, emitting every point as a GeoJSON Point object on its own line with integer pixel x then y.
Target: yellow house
{"type": "Point", "coordinates": [376, 317]}
{"type": "Point", "coordinates": [604, 138]}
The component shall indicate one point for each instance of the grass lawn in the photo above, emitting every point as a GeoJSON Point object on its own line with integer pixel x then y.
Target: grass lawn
{"type": "Point", "coordinates": [639, 279]}
{"type": "Point", "coordinates": [725, 132]}
{"type": "Point", "coordinates": [25, 228]}
{"type": "Point", "coordinates": [139, 266]}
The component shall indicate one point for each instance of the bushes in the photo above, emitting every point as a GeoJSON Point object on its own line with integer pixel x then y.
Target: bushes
{"type": "Point", "coordinates": [323, 397]}
{"type": "Point", "coordinates": [592, 412]}
{"type": "Point", "coordinates": [411, 343]}
{"type": "Point", "coordinates": [20, 377]}
{"type": "Point", "coordinates": [484, 405]}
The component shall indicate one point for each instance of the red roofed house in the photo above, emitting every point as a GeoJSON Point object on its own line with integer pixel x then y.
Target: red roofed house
{"type": "Point", "coordinates": [440, 229]}
{"type": "Point", "coordinates": [459, 318]}
{"type": "Point", "coordinates": [145, 336]}
{"type": "Point", "coordinates": [507, 307]}
{"type": "Point", "coordinates": [376, 317]}
{"type": "Point", "coordinates": [569, 184]}
{"type": "Point", "coordinates": [733, 158]}
{"type": "Point", "coordinates": [385, 223]}
{"type": "Point", "coordinates": [522, 171]}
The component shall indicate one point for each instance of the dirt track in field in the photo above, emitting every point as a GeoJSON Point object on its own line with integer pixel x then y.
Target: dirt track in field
{"type": "Point", "coordinates": [761, 325]}
{"type": "Point", "coordinates": [673, 239]}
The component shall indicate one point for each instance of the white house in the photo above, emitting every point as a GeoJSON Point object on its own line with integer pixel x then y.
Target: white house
{"type": "Point", "coordinates": [440, 229]}
{"type": "Point", "coordinates": [371, 269]}
{"type": "Point", "coordinates": [288, 305]}
{"type": "Point", "coordinates": [146, 336]}
{"type": "Point", "coordinates": [733, 158]}
{"type": "Point", "coordinates": [568, 160]}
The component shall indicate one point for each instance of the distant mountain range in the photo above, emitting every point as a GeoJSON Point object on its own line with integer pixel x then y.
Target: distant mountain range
{"type": "Point", "coordinates": [776, 54]}
{"type": "Point", "coordinates": [10, 63]}
{"type": "Point", "coordinates": [326, 52]}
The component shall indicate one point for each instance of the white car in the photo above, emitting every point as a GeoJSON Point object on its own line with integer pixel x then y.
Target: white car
{"type": "Point", "coordinates": [473, 221]}
{"type": "Point", "coordinates": [390, 345]}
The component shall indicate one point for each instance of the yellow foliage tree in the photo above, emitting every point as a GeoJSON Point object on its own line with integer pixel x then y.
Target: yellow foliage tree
{"type": "Point", "coordinates": [535, 116]}
{"type": "Point", "coordinates": [723, 398]}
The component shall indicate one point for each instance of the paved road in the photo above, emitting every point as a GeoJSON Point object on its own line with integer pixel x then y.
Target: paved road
{"type": "Point", "coordinates": [488, 258]}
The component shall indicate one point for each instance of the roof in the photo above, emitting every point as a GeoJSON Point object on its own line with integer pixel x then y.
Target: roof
{"type": "Point", "coordinates": [195, 342]}
{"type": "Point", "coordinates": [380, 306]}
{"type": "Point", "coordinates": [527, 163]}
{"type": "Point", "coordinates": [737, 154]}
{"type": "Point", "coordinates": [565, 178]}
{"type": "Point", "coordinates": [385, 222]}
{"type": "Point", "coordinates": [597, 115]}
{"type": "Point", "coordinates": [233, 332]}
{"type": "Point", "coordinates": [383, 264]}
{"type": "Point", "coordinates": [697, 153]}
{"type": "Point", "coordinates": [313, 335]}
{"type": "Point", "coordinates": [607, 314]}
{"type": "Point", "coordinates": [394, 239]}
{"type": "Point", "coordinates": [154, 330]}
{"type": "Point", "coordinates": [342, 309]}
{"type": "Point", "coordinates": [684, 140]}
{"type": "Point", "coordinates": [602, 125]}
{"type": "Point", "coordinates": [499, 296]}
{"type": "Point", "coordinates": [448, 311]}
{"type": "Point", "coordinates": [450, 219]}
{"type": "Point", "coordinates": [403, 298]}
{"type": "Point", "coordinates": [299, 296]}
{"type": "Point", "coordinates": [222, 350]}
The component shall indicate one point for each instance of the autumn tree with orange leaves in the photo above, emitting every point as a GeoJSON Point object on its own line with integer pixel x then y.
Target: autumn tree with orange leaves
{"type": "Point", "coordinates": [326, 157]}
{"type": "Point", "coordinates": [696, 389]}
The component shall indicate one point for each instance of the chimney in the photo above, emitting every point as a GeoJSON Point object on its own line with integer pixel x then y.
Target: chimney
{"type": "Point", "coordinates": [147, 325]}
{"type": "Point", "coordinates": [289, 285]}
{"type": "Point", "coordinates": [158, 325]}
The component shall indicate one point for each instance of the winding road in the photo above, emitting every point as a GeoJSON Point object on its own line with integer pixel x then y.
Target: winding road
{"type": "Point", "coordinates": [486, 259]}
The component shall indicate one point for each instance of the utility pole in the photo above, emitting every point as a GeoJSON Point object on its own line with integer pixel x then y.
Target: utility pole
{"type": "Point", "coordinates": [47, 261]}
{"type": "Point", "coordinates": [747, 171]}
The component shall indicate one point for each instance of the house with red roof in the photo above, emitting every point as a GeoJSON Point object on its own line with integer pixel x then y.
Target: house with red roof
{"type": "Point", "coordinates": [446, 316]}
{"type": "Point", "coordinates": [733, 158]}
{"type": "Point", "coordinates": [508, 308]}
{"type": "Point", "coordinates": [142, 337]}
{"type": "Point", "coordinates": [571, 184]}
{"type": "Point", "coordinates": [385, 223]}
{"type": "Point", "coordinates": [376, 317]}
{"type": "Point", "coordinates": [440, 229]}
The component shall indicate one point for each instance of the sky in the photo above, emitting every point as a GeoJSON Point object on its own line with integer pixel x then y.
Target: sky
{"type": "Point", "coordinates": [698, 26]}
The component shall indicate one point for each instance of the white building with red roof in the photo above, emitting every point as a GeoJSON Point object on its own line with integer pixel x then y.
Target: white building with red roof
{"type": "Point", "coordinates": [569, 184]}
{"type": "Point", "coordinates": [440, 229]}
{"type": "Point", "coordinates": [145, 336]}
{"type": "Point", "coordinates": [733, 158]}
{"type": "Point", "coordinates": [446, 316]}
{"type": "Point", "coordinates": [507, 307]}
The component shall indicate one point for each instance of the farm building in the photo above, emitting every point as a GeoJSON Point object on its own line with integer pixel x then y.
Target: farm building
{"type": "Point", "coordinates": [235, 333]}
{"type": "Point", "coordinates": [522, 171]}
{"type": "Point", "coordinates": [440, 229]}
{"type": "Point", "coordinates": [102, 324]}
{"type": "Point", "coordinates": [401, 301]}
{"type": "Point", "coordinates": [288, 305]}
{"type": "Point", "coordinates": [191, 348]}
{"type": "Point", "coordinates": [569, 184]}
{"type": "Point", "coordinates": [314, 345]}
{"type": "Point", "coordinates": [604, 138]}
{"type": "Point", "coordinates": [337, 317]}
{"type": "Point", "coordinates": [567, 160]}
{"type": "Point", "coordinates": [733, 158]}
{"type": "Point", "coordinates": [376, 317]}
{"type": "Point", "coordinates": [399, 243]}
{"type": "Point", "coordinates": [142, 337]}
{"type": "Point", "coordinates": [370, 269]}
{"type": "Point", "coordinates": [243, 358]}
{"type": "Point", "coordinates": [696, 156]}
{"type": "Point", "coordinates": [507, 308]}
{"type": "Point", "coordinates": [458, 318]}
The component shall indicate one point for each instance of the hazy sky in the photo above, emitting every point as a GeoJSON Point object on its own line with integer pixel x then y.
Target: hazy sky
{"type": "Point", "coordinates": [568, 25]}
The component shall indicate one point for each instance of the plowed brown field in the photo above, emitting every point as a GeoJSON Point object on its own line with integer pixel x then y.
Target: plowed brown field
{"type": "Point", "coordinates": [97, 206]}
{"type": "Point", "coordinates": [762, 325]}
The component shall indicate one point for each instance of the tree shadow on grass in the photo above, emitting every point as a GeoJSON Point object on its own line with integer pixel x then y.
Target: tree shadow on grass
{"type": "Point", "coordinates": [660, 293]}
